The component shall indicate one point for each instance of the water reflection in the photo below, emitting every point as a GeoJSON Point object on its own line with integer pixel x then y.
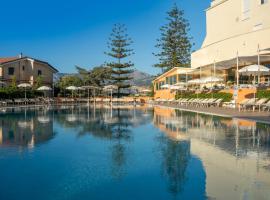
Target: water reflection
{"type": "Point", "coordinates": [235, 153]}
{"type": "Point", "coordinates": [21, 127]}
{"type": "Point", "coordinates": [197, 156]}
{"type": "Point", "coordinates": [174, 158]}
{"type": "Point", "coordinates": [114, 124]}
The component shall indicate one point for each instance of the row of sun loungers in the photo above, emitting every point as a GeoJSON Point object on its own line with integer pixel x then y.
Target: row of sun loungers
{"type": "Point", "coordinates": [36, 101]}
{"type": "Point", "coordinates": [41, 101]}
{"type": "Point", "coordinates": [253, 104]}
{"type": "Point", "coordinates": [247, 104]}
{"type": "Point", "coordinates": [191, 102]}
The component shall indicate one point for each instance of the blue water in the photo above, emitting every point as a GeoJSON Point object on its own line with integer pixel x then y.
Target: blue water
{"type": "Point", "coordinates": [103, 153]}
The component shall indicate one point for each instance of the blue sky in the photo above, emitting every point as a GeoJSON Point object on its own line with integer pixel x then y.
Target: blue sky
{"type": "Point", "coordinates": [75, 32]}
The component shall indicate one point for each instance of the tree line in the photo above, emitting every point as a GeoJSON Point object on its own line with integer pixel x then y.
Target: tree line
{"type": "Point", "coordinates": [173, 50]}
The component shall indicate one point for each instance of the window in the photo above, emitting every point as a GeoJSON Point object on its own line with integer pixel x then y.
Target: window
{"type": "Point", "coordinates": [11, 71]}
{"type": "Point", "coordinates": [263, 2]}
{"type": "Point", "coordinates": [39, 72]}
{"type": "Point", "coordinates": [23, 67]}
{"type": "Point", "coordinates": [245, 9]}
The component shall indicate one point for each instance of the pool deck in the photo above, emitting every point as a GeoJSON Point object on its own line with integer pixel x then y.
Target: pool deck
{"type": "Point", "coordinates": [263, 116]}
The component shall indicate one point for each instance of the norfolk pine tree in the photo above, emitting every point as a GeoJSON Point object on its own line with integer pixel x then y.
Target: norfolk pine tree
{"type": "Point", "coordinates": [119, 49]}
{"type": "Point", "coordinates": [174, 44]}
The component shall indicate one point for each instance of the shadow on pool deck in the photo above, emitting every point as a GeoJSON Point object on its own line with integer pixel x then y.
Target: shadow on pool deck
{"type": "Point", "coordinates": [263, 116]}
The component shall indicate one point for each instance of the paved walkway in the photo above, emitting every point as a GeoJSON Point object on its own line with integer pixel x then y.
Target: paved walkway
{"type": "Point", "coordinates": [226, 112]}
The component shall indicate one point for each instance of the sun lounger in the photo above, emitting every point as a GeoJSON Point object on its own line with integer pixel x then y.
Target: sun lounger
{"type": "Point", "coordinates": [3, 103]}
{"type": "Point", "coordinates": [266, 106]}
{"type": "Point", "coordinates": [247, 103]}
{"type": "Point", "coordinates": [217, 103]}
{"type": "Point", "coordinates": [259, 103]}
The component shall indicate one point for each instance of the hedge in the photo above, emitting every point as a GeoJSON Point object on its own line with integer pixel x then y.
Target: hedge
{"type": "Point", "coordinates": [12, 93]}
{"type": "Point", "coordinates": [220, 95]}
{"type": "Point", "coordinates": [263, 94]}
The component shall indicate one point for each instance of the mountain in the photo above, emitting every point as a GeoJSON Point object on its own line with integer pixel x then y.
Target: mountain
{"type": "Point", "coordinates": [140, 78]}
{"type": "Point", "coordinates": [59, 75]}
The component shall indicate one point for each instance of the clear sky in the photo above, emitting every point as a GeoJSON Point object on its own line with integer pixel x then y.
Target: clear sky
{"type": "Point", "coordinates": [75, 32]}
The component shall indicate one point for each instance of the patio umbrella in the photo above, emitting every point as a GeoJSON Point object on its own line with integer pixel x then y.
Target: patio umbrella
{"type": "Point", "coordinates": [196, 81]}
{"type": "Point", "coordinates": [254, 70]}
{"type": "Point", "coordinates": [145, 90]}
{"type": "Point", "coordinates": [25, 86]}
{"type": "Point", "coordinates": [72, 88]}
{"type": "Point", "coordinates": [110, 88]}
{"type": "Point", "coordinates": [180, 84]}
{"type": "Point", "coordinates": [44, 89]}
{"type": "Point", "coordinates": [166, 86]}
{"type": "Point", "coordinates": [176, 87]}
{"type": "Point", "coordinates": [81, 89]}
{"type": "Point", "coordinates": [2, 83]}
{"type": "Point", "coordinates": [90, 87]}
{"type": "Point", "coordinates": [212, 79]}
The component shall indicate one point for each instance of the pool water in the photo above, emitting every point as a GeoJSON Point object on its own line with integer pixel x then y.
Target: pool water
{"type": "Point", "coordinates": [126, 152]}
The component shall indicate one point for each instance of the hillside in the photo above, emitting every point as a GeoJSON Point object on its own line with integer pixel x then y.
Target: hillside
{"type": "Point", "coordinates": [140, 78]}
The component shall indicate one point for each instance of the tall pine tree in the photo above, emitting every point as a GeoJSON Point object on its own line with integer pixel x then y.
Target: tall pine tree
{"type": "Point", "coordinates": [174, 44]}
{"type": "Point", "coordinates": [119, 49]}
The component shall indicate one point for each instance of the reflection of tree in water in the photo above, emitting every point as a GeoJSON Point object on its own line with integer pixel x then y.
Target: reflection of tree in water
{"type": "Point", "coordinates": [175, 156]}
{"type": "Point", "coordinates": [112, 124]}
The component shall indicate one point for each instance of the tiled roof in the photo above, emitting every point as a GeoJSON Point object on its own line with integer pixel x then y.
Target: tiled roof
{"type": "Point", "coordinates": [3, 60]}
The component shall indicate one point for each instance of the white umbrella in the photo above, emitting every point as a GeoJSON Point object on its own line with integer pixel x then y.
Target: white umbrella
{"type": "Point", "coordinates": [111, 88]}
{"type": "Point", "coordinates": [25, 86]}
{"type": "Point", "coordinates": [91, 87]}
{"type": "Point", "coordinates": [72, 88]}
{"type": "Point", "coordinates": [176, 87]}
{"type": "Point", "coordinates": [180, 84]}
{"type": "Point", "coordinates": [2, 83]}
{"type": "Point", "coordinates": [166, 86]}
{"type": "Point", "coordinates": [254, 70]}
{"type": "Point", "coordinates": [195, 81]}
{"type": "Point", "coordinates": [146, 90]}
{"type": "Point", "coordinates": [81, 88]}
{"type": "Point", "coordinates": [212, 79]}
{"type": "Point", "coordinates": [44, 88]}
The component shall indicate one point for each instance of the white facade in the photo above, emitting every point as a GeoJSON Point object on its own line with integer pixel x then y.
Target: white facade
{"type": "Point", "coordinates": [233, 26]}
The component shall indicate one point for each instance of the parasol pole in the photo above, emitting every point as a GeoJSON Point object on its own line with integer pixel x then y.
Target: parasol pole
{"type": "Point", "coordinates": [111, 96]}
{"type": "Point", "coordinates": [259, 64]}
{"type": "Point", "coordinates": [237, 69]}
{"type": "Point", "coordinates": [88, 96]}
{"type": "Point", "coordinates": [25, 95]}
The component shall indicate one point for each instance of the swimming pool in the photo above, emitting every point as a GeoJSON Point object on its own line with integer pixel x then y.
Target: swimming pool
{"type": "Point", "coordinates": [126, 152]}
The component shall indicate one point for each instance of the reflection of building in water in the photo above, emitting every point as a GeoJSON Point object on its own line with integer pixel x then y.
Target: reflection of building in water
{"type": "Point", "coordinates": [17, 129]}
{"type": "Point", "coordinates": [167, 121]}
{"type": "Point", "coordinates": [235, 153]}
{"type": "Point", "coordinates": [175, 148]}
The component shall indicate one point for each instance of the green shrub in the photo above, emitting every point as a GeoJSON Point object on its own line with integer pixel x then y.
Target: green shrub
{"type": "Point", "coordinates": [263, 94]}
{"type": "Point", "coordinates": [13, 93]}
{"type": "Point", "coordinates": [220, 95]}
